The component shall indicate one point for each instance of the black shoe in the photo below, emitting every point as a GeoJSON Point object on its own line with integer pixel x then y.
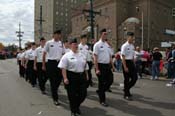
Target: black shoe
{"type": "Point", "coordinates": [97, 91]}
{"type": "Point", "coordinates": [91, 84]}
{"type": "Point", "coordinates": [129, 98]}
{"type": "Point", "coordinates": [104, 104]}
{"type": "Point", "coordinates": [56, 103]}
{"type": "Point", "coordinates": [75, 114]}
{"type": "Point", "coordinates": [109, 90]}
{"type": "Point", "coordinates": [79, 112]}
{"type": "Point", "coordinates": [43, 92]}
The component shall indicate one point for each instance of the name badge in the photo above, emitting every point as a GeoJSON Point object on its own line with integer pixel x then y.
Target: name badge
{"type": "Point", "coordinates": [51, 45]}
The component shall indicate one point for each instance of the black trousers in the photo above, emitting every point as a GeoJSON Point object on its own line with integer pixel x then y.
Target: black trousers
{"type": "Point", "coordinates": [89, 73]}
{"type": "Point", "coordinates": [42, 77]}
{"type": "Point", "coordinates": [21, 69]}
{"type": "Point", "coordinates": [76, 89]}
{"type": "Point", "coordinates": [31, 73]}
{"type": "Point", "coordinates": [105, 80]}
{"type": "Point", "coordinates": [130, 78]}
{"type": "Point", "coordinates": [55, 76]}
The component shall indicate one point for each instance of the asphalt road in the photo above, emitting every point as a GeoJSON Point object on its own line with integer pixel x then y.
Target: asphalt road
{"type": "Point", "coordinates": [18, 98]}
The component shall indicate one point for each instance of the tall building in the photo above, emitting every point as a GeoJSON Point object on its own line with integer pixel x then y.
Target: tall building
{"type": "Point", "coordinates": [149, 19]}
{"type": "Point", "coordinates": [56, 14]}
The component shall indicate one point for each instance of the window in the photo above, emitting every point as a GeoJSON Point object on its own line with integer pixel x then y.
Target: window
{"type": "Point", "coordinates": [62, 4]}
{"type": "Point", "coordinates": [173, 12]}
{"type": "Point", "coordinates": [106, 10]}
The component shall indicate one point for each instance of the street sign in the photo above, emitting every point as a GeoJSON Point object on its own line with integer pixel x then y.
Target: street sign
{"type": "Point", "coordinates": [165, 44]}
{"type": "Point", "coordinates": [170, 32]}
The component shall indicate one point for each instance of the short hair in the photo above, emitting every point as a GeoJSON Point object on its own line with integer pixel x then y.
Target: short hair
{"type": "Point", "coordinates": [65, 41]}
{"type": "Point", "coordinates": [42, 38]}
{"type": "Point", "coordinates": [103, 30]}
{"type": "Point", "coordinates": [57, 32]}
{"type": "Point", "coordinates": [73, 40]}
{"type": "Point", "coordinates": [83, 36]}
{"type": "Point", "coordinates": [33, 43]}
{"type": "Point", "coordinates": [130, 34]}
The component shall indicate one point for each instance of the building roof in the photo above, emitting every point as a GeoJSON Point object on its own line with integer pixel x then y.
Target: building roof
{"type": "Point", "coordinates": [132, 20]}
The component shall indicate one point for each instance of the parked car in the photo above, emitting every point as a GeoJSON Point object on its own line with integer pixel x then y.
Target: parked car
{"type": "Point", "coordinates": [2, 55]}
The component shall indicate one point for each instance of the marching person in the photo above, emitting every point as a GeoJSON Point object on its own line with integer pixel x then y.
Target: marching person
{"type": "Point", "coordinates": [19, 61]}
{"type": "Point", "coordinates": [84, 49]}
{"type": "Point", "coordinates": [112, 53]}
{"type": "Point", "coordinates": [66, 46]}
{"type": "Point", "coordinates": [29, 63]}
{"type": "Point", "coordinates": [129, 69]}
{"type": "Point", "coordinates": [54, 50]}
{"type": "Point", "coordinates": [23, 62]}
{"type": "Point", "coordinates": [74, 69]}
{"type": "Point", "coordinates": [42, 77]}
{"type": "Point", "coordinates": [103, 63]}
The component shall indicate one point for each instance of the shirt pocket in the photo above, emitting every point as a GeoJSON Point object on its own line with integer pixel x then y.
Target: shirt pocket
{"type": "Point", "coordinates": [101, 49]}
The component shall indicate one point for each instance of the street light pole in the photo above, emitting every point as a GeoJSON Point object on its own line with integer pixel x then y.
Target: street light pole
{"type": "Point", "coordinates": [92, 19]}
{"type": "Point", "coordinates": [142, 29]}
{"type": "Point", "coordinates": [142, 18]}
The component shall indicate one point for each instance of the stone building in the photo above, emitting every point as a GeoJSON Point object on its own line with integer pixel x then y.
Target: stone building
{"type": "Point", "coordinates": [56, 15]}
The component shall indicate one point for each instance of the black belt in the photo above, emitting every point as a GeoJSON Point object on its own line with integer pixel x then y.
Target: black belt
{"type": "Point", "coordinates": [103, 64]}
{"type": "Point", "coordinates": [53, 60]}
{"type": "Point", "coordinates": [76, 73]}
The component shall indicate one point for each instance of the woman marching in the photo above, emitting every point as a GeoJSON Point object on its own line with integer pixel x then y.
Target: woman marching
{"type": "Point", "coordinates": [74, 70]}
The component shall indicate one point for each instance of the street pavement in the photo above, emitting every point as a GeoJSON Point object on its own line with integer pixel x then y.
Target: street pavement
{"type": "Point", "coordinates": [18, 98]}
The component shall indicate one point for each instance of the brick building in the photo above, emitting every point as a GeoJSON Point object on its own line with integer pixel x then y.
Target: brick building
{"type": "Point", "coordinates": [120, 16]}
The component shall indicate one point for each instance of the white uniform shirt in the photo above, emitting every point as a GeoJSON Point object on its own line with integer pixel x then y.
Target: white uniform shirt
{"type": "Point", "coordinates": [111, 49]}
{"type": "Point", "coordinates": [89, 56]}
{"type": "Point", "coordinates": [23, 54]}
{"type": "Point", "coordinates": [54, 49]}
{"type": "Point", "coordinates": [19, 56]}
{"type": "Point", "coordinates": [75, 62]}
{"type": "Point", "coordinates": [101, 49]}
{"type": "Point", "coordinates": [67, 50]}
{"type": "Point", "coordinates": [128, 51]}
{"type": "Point", "coordinates": [39, 54]}
{"type": "Point", "coordinates": [138, 56]}
{"type": "Point", "coordinates": [30, 54]}
{"type": "Point", "coordinates": [84, 49]}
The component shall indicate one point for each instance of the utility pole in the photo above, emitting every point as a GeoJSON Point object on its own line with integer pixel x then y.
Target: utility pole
{"type": "Point", "coordinates": [41, 22]}
{"type": "Point", "coordinates": [19, 35]}
{"type": "Point", "coordinates": [91, 17]}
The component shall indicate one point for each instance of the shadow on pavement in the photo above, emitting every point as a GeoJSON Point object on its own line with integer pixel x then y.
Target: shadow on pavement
{"type": "Point", "coordinates": [123, 105]}
{"type": "Point", "coordinates": [86, 111]}
{"type": "Point", "coordinates": [164, 105]}
{"type": "Point", "coordinates": [133, 110]}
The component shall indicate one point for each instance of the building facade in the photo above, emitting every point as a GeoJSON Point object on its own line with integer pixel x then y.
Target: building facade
{"type": "Point", "coordinates": [56, 14]}
{"type": "Point", "coordinates": [120, 16]}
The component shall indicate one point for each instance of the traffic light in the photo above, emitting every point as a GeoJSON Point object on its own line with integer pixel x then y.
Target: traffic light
{"type": "Point", "coordinates": [173, 12]}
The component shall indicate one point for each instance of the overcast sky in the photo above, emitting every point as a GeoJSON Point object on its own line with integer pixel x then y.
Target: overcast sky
{"type": "Point", "coordinates": [11, 13]}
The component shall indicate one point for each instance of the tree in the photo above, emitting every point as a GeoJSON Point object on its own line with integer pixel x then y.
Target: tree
{"type": "Point", "coordinates": [1, 46]}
